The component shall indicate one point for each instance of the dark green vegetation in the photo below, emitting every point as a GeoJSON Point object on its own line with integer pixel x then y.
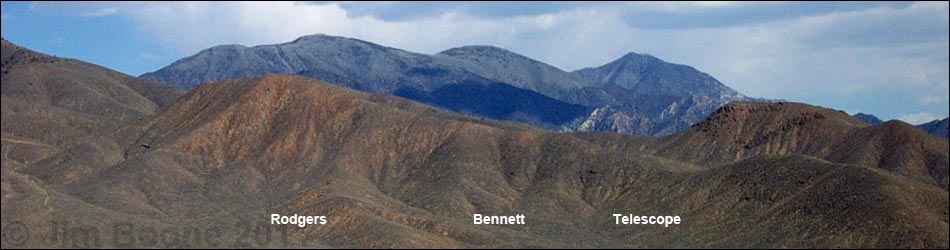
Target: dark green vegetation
{"type": "Point", "coordinates": [393, 173]}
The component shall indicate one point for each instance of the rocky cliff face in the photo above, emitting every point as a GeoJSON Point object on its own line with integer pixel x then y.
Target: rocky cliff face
{"type": "Point", "coordinates": [685, 95]}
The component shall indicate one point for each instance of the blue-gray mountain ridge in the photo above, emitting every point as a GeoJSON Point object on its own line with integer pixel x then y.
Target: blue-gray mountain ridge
{"type": "Point", "coordinates": [938, 128]}
{"type": "Point", "coordinates": [637, 94]}
{"type": "Point", "coordinates": [869, 118]}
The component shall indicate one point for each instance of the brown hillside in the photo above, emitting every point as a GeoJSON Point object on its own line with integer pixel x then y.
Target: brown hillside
{"type": "Point", "coordinates": [392, 173]}
{"type": "Point", "coordinates": [93, 147]}
{"type": "Point", "coordinates": [52, 104]}
{"type": "Point", "coordinates": [741, 130]}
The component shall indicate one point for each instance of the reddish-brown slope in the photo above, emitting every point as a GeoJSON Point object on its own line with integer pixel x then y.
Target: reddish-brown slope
{"type": "Point", "coordinates": [395, 174]}
{"type": "Point", "coordinates": [741, 130]}
{"type": "Point", "coordinates": [54, 109]}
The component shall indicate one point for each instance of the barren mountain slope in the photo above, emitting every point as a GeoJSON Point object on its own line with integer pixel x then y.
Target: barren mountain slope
{"type": "Point", "coordinates": [51, 103]}
{"type": "Point", "coordinates": [392, 173]}
{"type": "Point", "coordinates": [741, 130]}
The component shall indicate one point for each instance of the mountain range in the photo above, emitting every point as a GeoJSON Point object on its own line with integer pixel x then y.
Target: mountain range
{"type": "Point", "coordinates": [741, 130]}
{"type": "Point", "coordinates": [636, 94]}
{"type": "Point", "coordinates": [936, 127]}
{"type": "Point", "coordinates": [389, 172]}
{"type": "Point", "coordinates": [869, 118]}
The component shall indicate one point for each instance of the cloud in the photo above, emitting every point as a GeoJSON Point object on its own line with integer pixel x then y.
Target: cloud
{"type": "Point", "coordinates": [861, 57]}
{"type": "Point", "coordinates": [941, 96]}
{"type": "Point", "coordinates": [919, 118]}
{"type": "Point", "coordinates": [85, 9]}
{"type": "Point", "coordinates": [145, 56]}
{"type": "Point", "coordinates": [193, 26]}
{"type": "Point", "coordinates": [689, 6]}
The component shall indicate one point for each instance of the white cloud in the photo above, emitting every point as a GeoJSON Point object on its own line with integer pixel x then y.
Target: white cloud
{"type": "Point", "coordinates": [688, 6]}
{"type": "Point", "coordinates": [830, 56]}
{"type": "Point", "coordinates": [86, 9]}
{"type": "Point", "coordinates": [570, 39]}
{"type": "Point", "coordinates": [918, 118]}
{"type": "Point", "coordinates": [833, 52]}
{"type": "Point", "coordinates": [941, 96]}
{"type": "Point", "coordinates": [148, 56]}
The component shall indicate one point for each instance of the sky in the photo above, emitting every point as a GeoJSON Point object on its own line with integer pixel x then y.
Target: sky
{"type": "Point", "coordinates": [889, 59]}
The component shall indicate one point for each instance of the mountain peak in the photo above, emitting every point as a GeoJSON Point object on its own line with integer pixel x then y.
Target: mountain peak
{"type": "Point", "coordinates": [14, 55]}
{"type": "Point", "coordinates": [77, 100]}
{"type": "Point", "coordinates": [227, 47]}
{"type": "Point", "coordinates": [259, 87]}
{"type": "Point", "coordinates": [646, 74]}
{"type": "Point", "coordinates": [311, 37]}
{"type": "Point", "coordinates": [481, 53]}
{"type": "Point", "coordinates": [317, 38]}
{"type": "Point", "coordinates": [870, 119]}
{"type": "Point", "coordinates": [896, 125]}
{"type": "Point", "coordinates": [938, 128]}
{"type": "Point", "coordinates": [476, 50]}
{"type": "Point", "coordinates": [634, 56]}
{"type": "Point", "coordinates": [329, 39]}
{"type": "Point", "coordinates": [741, 130]}
{"type": "Point", "coordinates": [502, 65]}
{"type": "Point", "coordinates": [780, 114]}
{"type": "Point", "coordinates": [654, 95]}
